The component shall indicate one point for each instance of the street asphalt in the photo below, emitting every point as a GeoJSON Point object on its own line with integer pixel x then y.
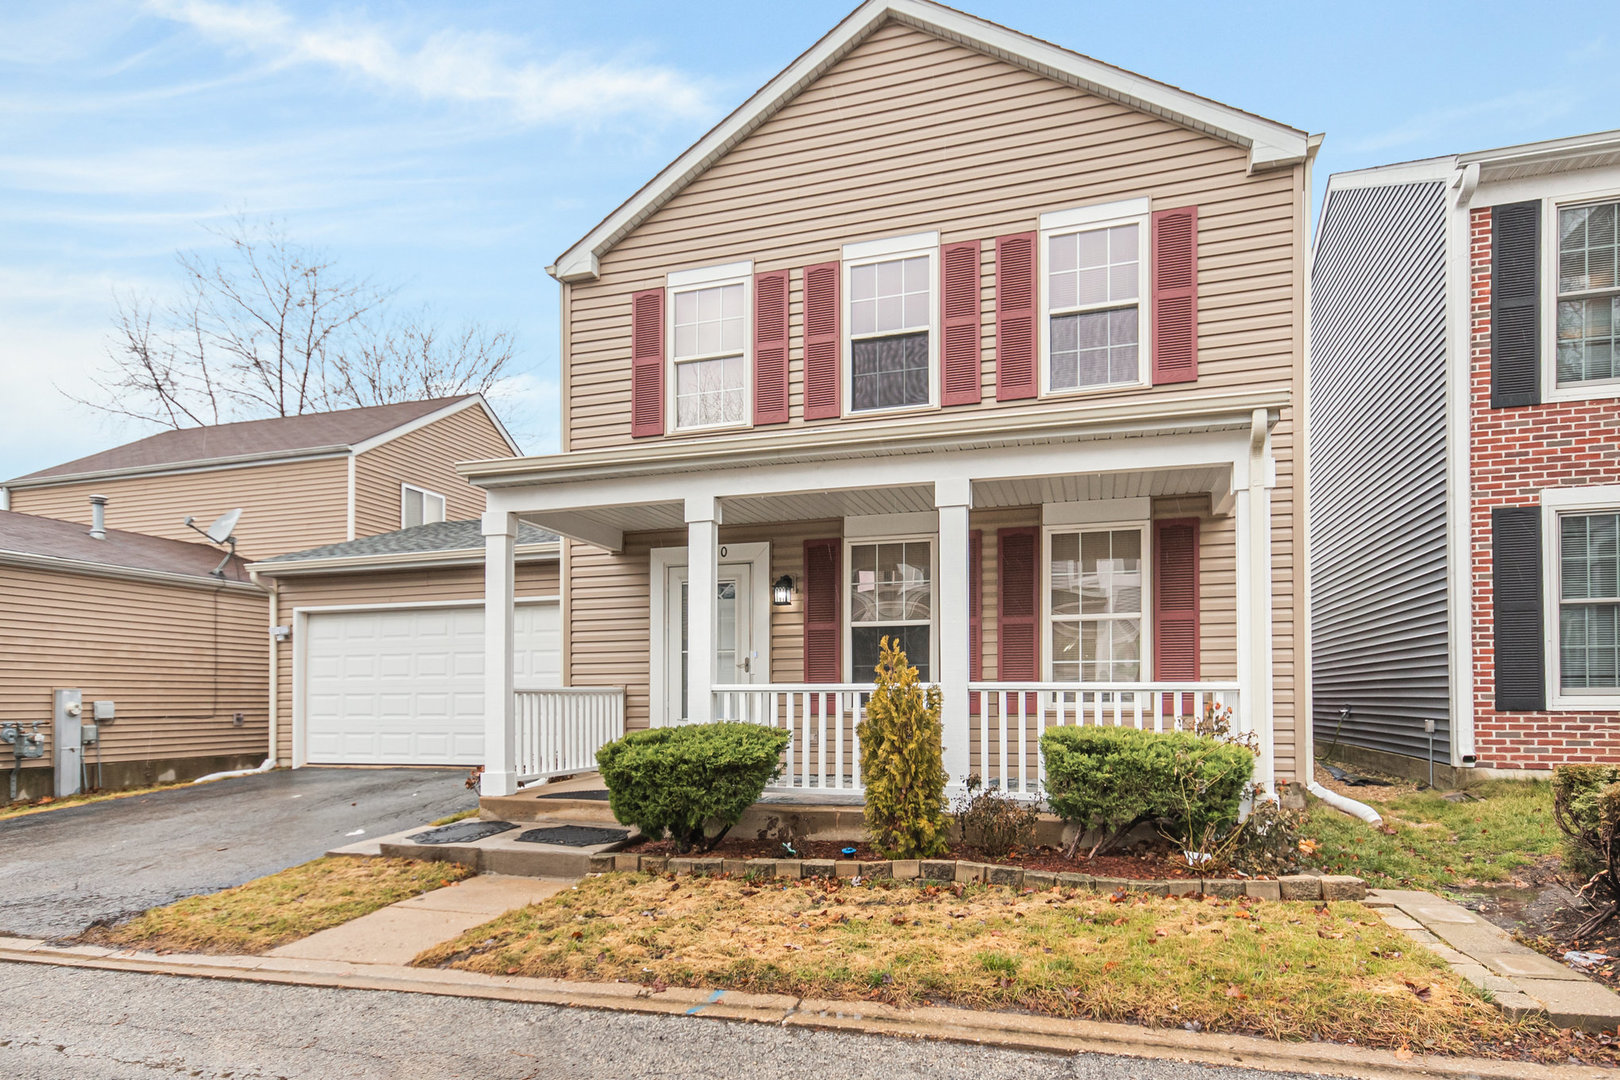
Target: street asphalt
{"type": "Point", "coordinates": [62, 1023]}
{"type": "Point", "coordinates": [66, 869]}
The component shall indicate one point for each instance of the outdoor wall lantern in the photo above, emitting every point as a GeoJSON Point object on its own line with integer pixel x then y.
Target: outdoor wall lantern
{"type": "Point", "coordinates": [782, 591]}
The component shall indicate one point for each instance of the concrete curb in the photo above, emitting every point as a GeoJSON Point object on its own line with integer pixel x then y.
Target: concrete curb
{"type": "Point", "coordinates": [1008, 1030]}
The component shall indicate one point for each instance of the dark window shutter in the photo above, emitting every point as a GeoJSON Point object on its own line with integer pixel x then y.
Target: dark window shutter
{"type": "Point", "coordinates": [1516, 608]}
{"type": "Point", "coordinates": [771, 348]}
{"type": "Point", "coordinates": [959, 365]}
{"type": "Point", "coordinates": [1175, 295]}
{"type": "Point", "coordinates": [1175, 600]}
{"type": "Point", "coordinates": [823, 629]}
{"type": "Point", "coordinates": [1018, 604]}
{"type": "Point", "coordinates": [1016, 299]}
{"type": "Point", "coordinates": [975, 614]}
{"type": "Point", "coordinates": [647, 363]}
{"type": "Point", "coordinates": [1515, 305]}
{"type": "Point", "coordinates": [822, 347]}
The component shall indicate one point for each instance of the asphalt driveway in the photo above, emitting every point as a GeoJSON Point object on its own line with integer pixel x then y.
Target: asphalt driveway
{"type": "Point", "coordinates": [66, 869]}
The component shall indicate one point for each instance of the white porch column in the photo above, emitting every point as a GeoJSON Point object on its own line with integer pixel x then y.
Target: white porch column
{"type": "Point", "coordinates": [1252, 509]}
{"type": "Point", "coordinates": [702, 583]}
{"type": "Point", "coordinates": [500, 735]}
{"type": "Point", "coordinates": [953, 499]}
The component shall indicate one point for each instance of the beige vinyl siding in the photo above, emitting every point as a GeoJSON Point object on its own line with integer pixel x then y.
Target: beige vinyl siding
{"type": "Point", "coordinates": [178, 661]}
{"type": "Point", "coordinates": [427, 458]}
{"type": "Point", "coordinates": [361, 589]}
{"type": "Point", "coordinates": [286, 506]}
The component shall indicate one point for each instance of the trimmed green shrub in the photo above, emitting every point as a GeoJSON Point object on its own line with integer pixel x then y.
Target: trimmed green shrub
{"type": "Point", "coordinates": [1580, 793]}
{"type": "Point", "coordinates": [902, 763]}
{"type": "Point", "coordinates": [690, 781]}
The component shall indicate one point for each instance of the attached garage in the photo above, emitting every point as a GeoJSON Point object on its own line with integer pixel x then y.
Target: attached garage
{"type": "Point", "coordinates": [381, 657]}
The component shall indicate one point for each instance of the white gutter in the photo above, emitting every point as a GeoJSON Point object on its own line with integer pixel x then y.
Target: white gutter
{"type": "Point", "coordinates": [1345, 804]}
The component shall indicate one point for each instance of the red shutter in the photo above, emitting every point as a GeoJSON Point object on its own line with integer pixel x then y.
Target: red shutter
{"type": "Point", "coordinates": [1175, 600]}
{"type": "Point", "coordinates": [1018, 606]}
{"type": "Point", "coordinates": [771, 348]}
{"type": "Point", "coordinates": [1016, 298]}
{"type": "Point", "coordinates": [823, 629]}
{"type": "Point", "coordinates": [822, 347]}
{"type": "Point", "coordinates": [959, 306]}
{"type": "Point", "coordinates": [975, 614]}
{"type": "Point", "coordinates": [647, 363]}
{"type": "Point", "coordinates": [1175, 295]}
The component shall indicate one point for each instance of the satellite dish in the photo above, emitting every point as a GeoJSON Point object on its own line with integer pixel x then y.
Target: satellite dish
{"type": "Point", "coordinates": [223, 526]}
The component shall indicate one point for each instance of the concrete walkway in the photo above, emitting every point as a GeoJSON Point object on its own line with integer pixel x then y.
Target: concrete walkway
{"type": "Point", "coordinates": [1521, 981]}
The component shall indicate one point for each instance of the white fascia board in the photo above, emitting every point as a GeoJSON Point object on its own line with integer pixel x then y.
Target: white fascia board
{"type": "Point", "coordinates": [1545, 151]}
{"type": "Point", "coordinates": [1406, 172]}
{"type": "Point", "coordinates": [414, 560]}
{"type": "Point", "coordinates": [177, 468]}
{"type": "Point", "coordinates": [31, 561]}
{"type": "Point", "coordinates": [471, 401]}
{"type": "Point", "coordinates": [702, 275]}
{"type": "Point", "coordinates": [1270, 144]}
{"type": "Point", "coordinates": [1095, 213]}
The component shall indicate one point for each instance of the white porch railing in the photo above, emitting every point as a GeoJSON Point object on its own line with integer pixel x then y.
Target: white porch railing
{"type": "Point", "coordinates": [824, 753]}
{"type": "Point", "coordinates": [560, 728]}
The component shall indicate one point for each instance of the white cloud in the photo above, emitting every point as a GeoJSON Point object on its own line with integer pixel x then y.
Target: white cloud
{"type": "Point", "coordinates": [451, 65]}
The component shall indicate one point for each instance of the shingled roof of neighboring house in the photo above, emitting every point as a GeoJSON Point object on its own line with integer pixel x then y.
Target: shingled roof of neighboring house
{"type": "Point", "coordinates": [274, 437]}
{"type": "Point", "coordinates": [442, 536]}
{"type": "Point", "coordinates": [70, 541]}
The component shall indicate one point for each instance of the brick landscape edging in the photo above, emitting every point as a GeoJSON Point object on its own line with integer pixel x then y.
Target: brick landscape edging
{"type": "Point", "coordinates": [1293, 887]}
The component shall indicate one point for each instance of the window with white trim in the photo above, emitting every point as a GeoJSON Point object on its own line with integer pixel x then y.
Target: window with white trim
{"type": "Point", "coordinates": [709, 354]}
{"type": "Point", "coordinates": [890, 307]}
{"type": "Point", "coordinates": [1588, 328]}
{"type": "Point", "coordinates": [891, 594]}
{"type": "Point", "coordinates": [1588, 571]}
{"type": "Point", "coordinates": [1094, 289]}
{"type": "Point", "coordinates": [419, 506]}
{"type": "Point", "coordinates": [1097, 604]}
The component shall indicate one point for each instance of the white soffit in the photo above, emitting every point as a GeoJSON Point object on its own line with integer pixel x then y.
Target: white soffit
{"type": "Point", "coordinates": [1269, 143]}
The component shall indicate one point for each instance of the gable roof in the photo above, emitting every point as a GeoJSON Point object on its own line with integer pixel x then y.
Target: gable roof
{"type": "Point", "coordinates": [433, 543]}
{"type": "Point", "coordinates": [341, 431]}
{"type": "Point", "coordinates": [46, 541]}
{"type": "Point", "coordinates": [1270, 144]}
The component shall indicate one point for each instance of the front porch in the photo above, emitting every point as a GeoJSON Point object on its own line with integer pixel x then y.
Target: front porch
{"type": "Point", "coordinates": [1039, 577]}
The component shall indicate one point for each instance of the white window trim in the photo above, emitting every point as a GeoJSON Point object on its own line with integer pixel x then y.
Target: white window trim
{"type": "Point", "coordinates": [708, 277]}
{"type": "Point", "coordinates": [880, 251]}
{"type": "Point", "coordinates": [1550, 390]}
{"type": "Point", "coordinates": [1088, 219]}
{"type": "Point", "coordinates": [1047, 531]}
{"type": "Point", "coordinates": [444, 504]}
{"type": "Point", "coordinates": [932, 539]}
{"type": "Point", "coordinates": [1556, 502]}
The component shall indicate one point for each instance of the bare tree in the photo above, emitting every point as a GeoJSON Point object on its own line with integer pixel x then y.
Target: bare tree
{"type": "Point", "coordinates": [274, 328]}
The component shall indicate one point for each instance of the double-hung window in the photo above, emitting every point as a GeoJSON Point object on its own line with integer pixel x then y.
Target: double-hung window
{"type": "Point", "coordinates": [418, 506]}
{"type": "Point", "coordinates": [1097, 604]}
{"type": "Point", "coordinates": [891, 595]}
{"type": "Point", "coordinates": [709, 347]}
{"type": "Point", "coordinates": [891, 306]}
{"type": "Point", "coordinates": [1589, 604]}
{"type": "Point", "coordinates": [1588, 330]}
{"type": "Point", "coordinates": [1094, 289]}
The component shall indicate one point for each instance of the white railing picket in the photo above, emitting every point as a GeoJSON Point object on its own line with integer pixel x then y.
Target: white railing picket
{"type": "Point", "coordinates": [560, 728]}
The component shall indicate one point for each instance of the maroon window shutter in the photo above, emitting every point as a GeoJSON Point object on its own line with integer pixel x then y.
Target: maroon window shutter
{"type": "Point", "coordinates": [771, 348]}
{"type": "Point", "coordinates": [1016, 299]}
{"type": "Point", "coordinates": [822, 347]}
{"type": "Point", "coordinates": [959, 306]}
{"type": "Point", "coordinates": [647, 363]}
{"type": "Point", "coordinates": [1175, 295]}
{"type": "Point", "coordinates": [975, 614]}
{"type": "Point", "coordinates": [823, 629]}
{"type": "Point", "coordinates": [1018, 604]}
{"type": "Point", "coordinates": [1175, 600]}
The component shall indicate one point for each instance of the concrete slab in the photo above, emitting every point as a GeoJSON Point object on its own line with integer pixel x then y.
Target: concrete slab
{"type": "Point", "coordinates": [1397, 897]}
{"type": "Point", "coordinates": [491, 894]}
{"type": "Point", "coordinates": [391, 936]}
{"type": "Point", "coordinates": [1519, 964]}
{"type": "Point", "coordinates": [1399, 921]}
{"type": "Point", "coordinates": [1449, 914]}
{"type": "Point", "coordinates": [1583, 1004]}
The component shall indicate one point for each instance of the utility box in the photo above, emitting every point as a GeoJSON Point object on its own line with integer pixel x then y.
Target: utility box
{"type": "Point", "coordinates": [66, 741]}
{"type": "Point", "coordinates": [104, 711]}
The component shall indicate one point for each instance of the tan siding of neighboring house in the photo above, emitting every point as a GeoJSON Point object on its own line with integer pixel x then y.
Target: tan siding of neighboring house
{"type": "Point", "coordinates": [178, 661]}
{"type": "Point", "coordinates": [286, 506]}
{"type": "Point", "coordinates": [534, 579]}
{"type": "Point", "coordinates": [426, 458]}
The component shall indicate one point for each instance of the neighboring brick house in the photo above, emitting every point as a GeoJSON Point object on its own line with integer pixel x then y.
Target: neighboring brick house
{"type": "Point", "coordinates": [1465, 403]}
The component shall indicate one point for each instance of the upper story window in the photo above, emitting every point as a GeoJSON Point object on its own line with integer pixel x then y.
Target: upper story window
{"type": "Point", "coordinates": [1588, 332]}
{"type": "Point", "coordinates": [708, 351]}
{"type": "Point", "coordinates": [419, 506]}
{"type": "Point", "coordinates": [891, 302]}
{"type": "Point", "coordinates": [1094, 285]}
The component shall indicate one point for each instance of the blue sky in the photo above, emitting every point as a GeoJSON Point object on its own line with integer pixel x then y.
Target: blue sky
{"type": "Point", "coordinates": [457, 148]}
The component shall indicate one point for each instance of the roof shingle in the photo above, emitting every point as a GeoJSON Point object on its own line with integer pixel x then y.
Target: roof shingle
{"type": "Point", "coordinates": [28, 534]}
{"type": "Point", "coordinates": [420, 539]}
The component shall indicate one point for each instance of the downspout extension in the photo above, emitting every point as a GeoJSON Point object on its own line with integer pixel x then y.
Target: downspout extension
{"type": "Point", "coordinates": [1346, 805]}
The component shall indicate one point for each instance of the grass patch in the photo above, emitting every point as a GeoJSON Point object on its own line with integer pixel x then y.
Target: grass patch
{"type": "Point", "coordinates": [22, 808]}
{"type": "Point", "coordinates": [460, 815]}
{"type": "Point", "coordinates": [1429, 843]}
{"type": "Point", "coordinates": [1292, 971]}
{"type": "Point", "coordinates": [279, 908]}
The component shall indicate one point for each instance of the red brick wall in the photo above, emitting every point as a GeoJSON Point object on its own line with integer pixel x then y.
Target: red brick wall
{"type": "Point", "coordinates": [1516, 453]}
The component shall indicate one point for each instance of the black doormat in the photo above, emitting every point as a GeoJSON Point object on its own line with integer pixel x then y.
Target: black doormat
{"type": "Point", "coordinates": [572, 836]}
{"type": "Point", "coordinates": [596, 795]}
{"type": "Point", "coordinates": [462, 832]}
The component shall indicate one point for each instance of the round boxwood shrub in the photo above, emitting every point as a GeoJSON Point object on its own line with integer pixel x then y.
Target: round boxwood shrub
{"type": "Point", "coordinates": [690, 781]}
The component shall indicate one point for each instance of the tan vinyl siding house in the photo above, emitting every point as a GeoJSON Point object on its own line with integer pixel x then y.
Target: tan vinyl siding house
{"type": "Point", "coordinates": [424, 458]}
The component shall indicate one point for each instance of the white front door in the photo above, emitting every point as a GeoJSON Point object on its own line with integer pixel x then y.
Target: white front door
{"type": "Point", "coordinates": [735, 661]}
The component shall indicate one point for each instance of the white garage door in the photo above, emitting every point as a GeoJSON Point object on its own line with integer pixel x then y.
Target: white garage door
{"type": "Point", "coordinates": [405, 686]}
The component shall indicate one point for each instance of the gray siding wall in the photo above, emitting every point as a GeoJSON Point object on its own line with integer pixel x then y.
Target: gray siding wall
{"type": "Point", "coordinates": [1378, 470]}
